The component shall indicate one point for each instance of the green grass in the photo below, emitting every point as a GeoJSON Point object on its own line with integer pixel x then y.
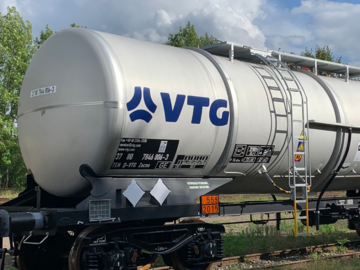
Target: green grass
{"type": "Point", "coordinates": [265, 238]}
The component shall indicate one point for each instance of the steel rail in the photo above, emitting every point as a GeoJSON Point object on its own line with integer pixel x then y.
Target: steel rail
{"type": "Point", "coordinates": [280, 254]}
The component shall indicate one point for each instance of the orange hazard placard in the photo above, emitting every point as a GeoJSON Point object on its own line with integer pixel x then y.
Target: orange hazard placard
{"type": "Point", "coordinates": [210, 204]}
{"type": "Point", "coordinates": [210, 209]}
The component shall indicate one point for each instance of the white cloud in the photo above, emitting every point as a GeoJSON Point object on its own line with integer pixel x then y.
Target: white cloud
{"type": "Point", "coordinates": [226, 20]}
{"type": "Point", "coordinates": [7, 3]}
{"type": "Point", "coordinates": [162, 18]}
{"type": "Point", "coordinates": [332, 23]}
{"type": "Point", "coordinates": [313, 22]}
{"type": "Point", "coordinates": [257, 23]}
{"type": "Point", "coordinates": [335, 24]}
{"type": "Point", "coordinates": [286, 43]}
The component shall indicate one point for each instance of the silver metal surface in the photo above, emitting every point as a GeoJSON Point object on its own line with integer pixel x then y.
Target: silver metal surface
{"type": "Point", "coordinates": [58, 132]}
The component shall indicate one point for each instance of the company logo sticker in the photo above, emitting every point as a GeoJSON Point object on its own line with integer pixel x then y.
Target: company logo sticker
{"type": "Point", "coordinates": [135, 101]}
{"type": "Point", "coordinates": [172, 110]}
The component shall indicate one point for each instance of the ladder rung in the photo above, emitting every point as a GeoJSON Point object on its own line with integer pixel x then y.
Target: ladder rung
{"type": "Point", "coordinates": [281, 131]}
{"type": "Point", "coordinates": [267, 77]}
{"type": "Point", "coordinates": [299, 153]}
{"type": "Point", "coordinates": [301, 138]}
{"type": "Point", "coordinates": [274, 88]}
{"type": "Point", "coordinates": [298, 121]}
{"type": "Point", "coordinates": [299, 169]}
{"type": "Point", "coordinates": [272, 59]}
{"type": "Point", "coordinates": [297, 105]}
{"type": "Point", "coordinates": [283, 69]}
{"type": "Point", "coordinates": [294, 89]}
{"type": "Point", "coordinates": [301, 217]}
{"type": "Point", "coordinates": [300, 185]}
{"type": "Point", "coordinates": [288, 79]}
{"type": "Point", "coordinates": [278, 99]}
{"type": "Point", "coordinates": [302, 234]}
{"type": "Point", "coordinates": [300, 201]}
{"type": "Point", "coordinates": [281, 115]}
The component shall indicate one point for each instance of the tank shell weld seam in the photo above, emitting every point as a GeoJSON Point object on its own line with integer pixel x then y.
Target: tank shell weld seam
{"type": "Point", "coordinates": [109, 104]}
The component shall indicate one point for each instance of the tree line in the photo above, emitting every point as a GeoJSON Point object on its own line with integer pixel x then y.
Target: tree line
{"type": "Point", "coordinates": [17, 47]}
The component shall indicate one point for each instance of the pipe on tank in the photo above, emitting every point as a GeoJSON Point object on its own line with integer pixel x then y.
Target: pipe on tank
{"type": "Point", "coordinates": [317, 212]}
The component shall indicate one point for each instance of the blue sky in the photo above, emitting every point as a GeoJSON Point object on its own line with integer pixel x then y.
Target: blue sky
{"type": "Point", "coordinates": [288, 25]}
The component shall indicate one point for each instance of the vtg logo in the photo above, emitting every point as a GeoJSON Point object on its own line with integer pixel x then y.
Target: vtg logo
{"type": "Point", "coordinates": [172, 113]}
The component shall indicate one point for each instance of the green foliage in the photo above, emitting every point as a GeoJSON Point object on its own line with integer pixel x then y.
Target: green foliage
{"type": "Point", "coordinates": [16, 50]}
{"type": "Point", "coordinates": [342, 241]}
{"type": "Point", "coordinates": [188, 37]}
{"type": "Point", "coordinates": [323, 53]}
{"type": "Point", "coordinates": [315, 255]}
{"type": "Point", "coordinates": [265, 238]}
{"type": "Point", "coordinates": [44, 35]}
{"type": "Point", "coordinates": [328, 229]}
{"type": "Point", "coordinates": [75, 25]}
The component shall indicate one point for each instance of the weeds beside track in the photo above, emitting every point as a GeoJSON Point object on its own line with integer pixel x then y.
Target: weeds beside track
{"type": "Point", "coordinates": [280, 259]}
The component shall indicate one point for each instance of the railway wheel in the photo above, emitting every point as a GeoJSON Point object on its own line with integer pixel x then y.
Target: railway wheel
{"type": "Point", "coordinates": [177, 259]}
{"type": "Point", "coordinates": [84, 258]}
{"type": "Point", "coordinates": [51, 254]}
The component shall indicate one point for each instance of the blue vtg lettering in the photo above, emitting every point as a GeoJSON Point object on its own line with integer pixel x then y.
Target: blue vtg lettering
{"type": "Point", "coordinates": [173, 109]}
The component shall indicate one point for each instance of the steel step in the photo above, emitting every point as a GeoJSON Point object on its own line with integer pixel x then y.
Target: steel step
{"type": "Point", "coordinates": [294, 89]}
{"type": "Point", "coordinates": [301, 185]}
{"type": "Point", "coordinates": [278, 99]}
{"type": "Point", "coordinates": [300, 201]}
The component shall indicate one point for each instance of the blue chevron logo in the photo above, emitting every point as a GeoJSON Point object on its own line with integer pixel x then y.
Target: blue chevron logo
{"type": "Point", "coordinates": [135, 101]}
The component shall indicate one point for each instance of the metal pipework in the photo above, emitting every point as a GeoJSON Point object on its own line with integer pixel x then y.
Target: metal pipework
{"type": "Point", "coordinates": [263, 171]}
{"type": "Point", "coordinates": [317, 212]}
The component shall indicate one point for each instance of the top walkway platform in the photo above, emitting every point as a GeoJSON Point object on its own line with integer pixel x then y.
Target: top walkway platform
{"type": "Point", "coordinates": [247, 53]}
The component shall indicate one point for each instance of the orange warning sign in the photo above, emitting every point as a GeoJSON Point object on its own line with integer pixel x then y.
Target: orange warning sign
{"type": "Point", "coordinates": [210, 204]}
{"type": "Point", "coordinates": [298, 157]}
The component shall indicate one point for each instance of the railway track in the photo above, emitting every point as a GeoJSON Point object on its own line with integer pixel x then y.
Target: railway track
{"type": "Point", "coordinates": [283, 254]}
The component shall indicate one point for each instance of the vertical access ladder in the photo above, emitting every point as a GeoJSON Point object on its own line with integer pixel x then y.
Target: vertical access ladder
{"type": "Point", "coordinates": [297, 108]}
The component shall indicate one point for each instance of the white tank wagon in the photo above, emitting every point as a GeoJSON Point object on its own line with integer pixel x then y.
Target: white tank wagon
{"type": "Point", "coordinates": [130, 107]}
{"type": "Point", "coordinates": [121, 137]}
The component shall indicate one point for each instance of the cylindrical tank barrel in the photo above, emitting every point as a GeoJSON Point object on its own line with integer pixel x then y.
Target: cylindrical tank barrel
{"type": "Point", "coordinates": [130, 107]}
